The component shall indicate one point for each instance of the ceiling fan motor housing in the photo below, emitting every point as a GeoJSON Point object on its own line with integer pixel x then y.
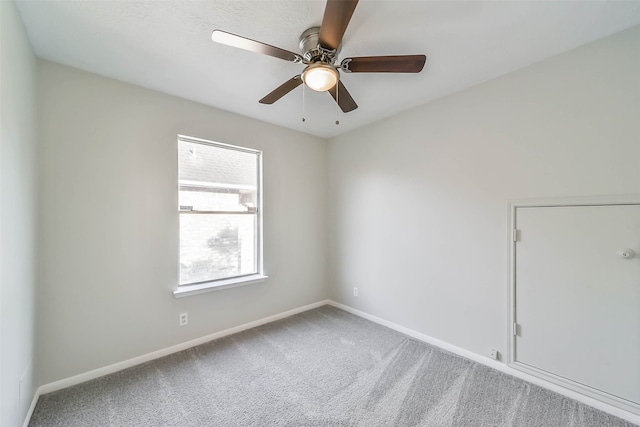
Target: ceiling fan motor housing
{"type": "Point", "coordinates": [311, 50]}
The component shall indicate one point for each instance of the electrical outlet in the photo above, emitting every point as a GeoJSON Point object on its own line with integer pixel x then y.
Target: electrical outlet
{"type": "Point", "coordinates": [355, 292]}
{"type": "Point", "coordinates": [494, 354]}
{"type": "Point", "coordinates": [183, 319]}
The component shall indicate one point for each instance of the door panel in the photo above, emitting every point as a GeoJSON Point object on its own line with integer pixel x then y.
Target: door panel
{"type": "Point", "coordinates": [577, 302]}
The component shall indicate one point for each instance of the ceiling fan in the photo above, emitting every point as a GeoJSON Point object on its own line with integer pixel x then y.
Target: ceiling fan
{"type": "Point", "coordinates": [320, 47]}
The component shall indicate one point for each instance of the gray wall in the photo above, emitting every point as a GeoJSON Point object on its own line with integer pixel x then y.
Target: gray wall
{"type": "Point", "coordinates": [418, 202]}
{"type": "Point", "coordinates": [109, 237]}
{"type": "Point", "coordinates": [18, 217]}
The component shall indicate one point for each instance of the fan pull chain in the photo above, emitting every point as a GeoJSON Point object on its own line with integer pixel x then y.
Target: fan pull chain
{"type": "Point", "coordinates": [337, 104]}
{"type": "Point", "coordinates": [303, 114]}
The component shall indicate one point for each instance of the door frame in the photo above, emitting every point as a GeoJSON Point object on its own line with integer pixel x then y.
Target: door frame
{"type": "Point", "coordinates": [513, 206]}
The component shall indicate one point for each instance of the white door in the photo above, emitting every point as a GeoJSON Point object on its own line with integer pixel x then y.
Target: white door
{"type": "Point", "coordinates": [577, 300]}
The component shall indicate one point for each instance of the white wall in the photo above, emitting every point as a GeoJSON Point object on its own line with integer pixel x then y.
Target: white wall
{"type": "Point", "coordinates": [109, 230]}
{"type": "Point", "coordinates": [18, 217]}
{"type": "Point", "coordinates": [418, 202]}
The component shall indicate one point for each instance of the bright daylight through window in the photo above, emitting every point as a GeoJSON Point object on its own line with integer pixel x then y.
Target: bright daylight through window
{"type": "Point", "coordinates": [220, 213]}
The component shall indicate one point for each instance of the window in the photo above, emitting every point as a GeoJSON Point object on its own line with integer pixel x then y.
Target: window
{"type": "Point", "coordinates": [219, 196]}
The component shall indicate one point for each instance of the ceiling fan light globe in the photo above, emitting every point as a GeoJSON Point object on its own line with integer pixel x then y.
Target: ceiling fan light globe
{"type": "Point", "coordinates": [320, 77]}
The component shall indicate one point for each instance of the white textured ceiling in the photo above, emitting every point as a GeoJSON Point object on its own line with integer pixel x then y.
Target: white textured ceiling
{"type": "Point", "coordinates": [166, 46]}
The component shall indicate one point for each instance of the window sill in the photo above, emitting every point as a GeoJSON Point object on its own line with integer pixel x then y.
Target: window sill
{"type": "Point", "coordinates": [187, 290]}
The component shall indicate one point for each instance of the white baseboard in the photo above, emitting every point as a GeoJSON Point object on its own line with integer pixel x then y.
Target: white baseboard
{"type": "Point", "coordinates": [605, 407]}
{"type": "Point", "coordinates": [100, 372]}
{"type": "Point", "coordinates": [32, 407]}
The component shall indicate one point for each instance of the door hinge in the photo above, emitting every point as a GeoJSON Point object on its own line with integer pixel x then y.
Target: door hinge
{"type": "Point", "coordinates": [515, 329]}
{"type": "Point", "coordinates": [515, 234]}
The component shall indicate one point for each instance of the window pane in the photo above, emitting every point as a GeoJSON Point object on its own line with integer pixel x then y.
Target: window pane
{"type": "Point", "coordinates": [216, 246]}
{"type": "Point", "coordinates": [219, 196]}
{"type": "Point", "coordinates": [217, 165]}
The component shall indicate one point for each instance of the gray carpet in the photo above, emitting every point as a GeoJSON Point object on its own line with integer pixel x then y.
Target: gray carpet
{"type": "Point", "coordinates": [324, 367]}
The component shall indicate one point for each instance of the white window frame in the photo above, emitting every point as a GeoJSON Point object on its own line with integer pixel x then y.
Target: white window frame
{"type": "Point", "coordinates": [231, 282]}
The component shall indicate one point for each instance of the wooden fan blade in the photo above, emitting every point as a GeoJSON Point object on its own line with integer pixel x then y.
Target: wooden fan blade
{"type": "Point", "coordinates": [344, 99]}
{"type": "Point", "coordinates": [282, 90]}
{"type": "Point", "coordinates": [384, 64]}
{"type": "Point", "coordinates": [229, 39]}
{"type": "Point", "coordinates": [337, 14]}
